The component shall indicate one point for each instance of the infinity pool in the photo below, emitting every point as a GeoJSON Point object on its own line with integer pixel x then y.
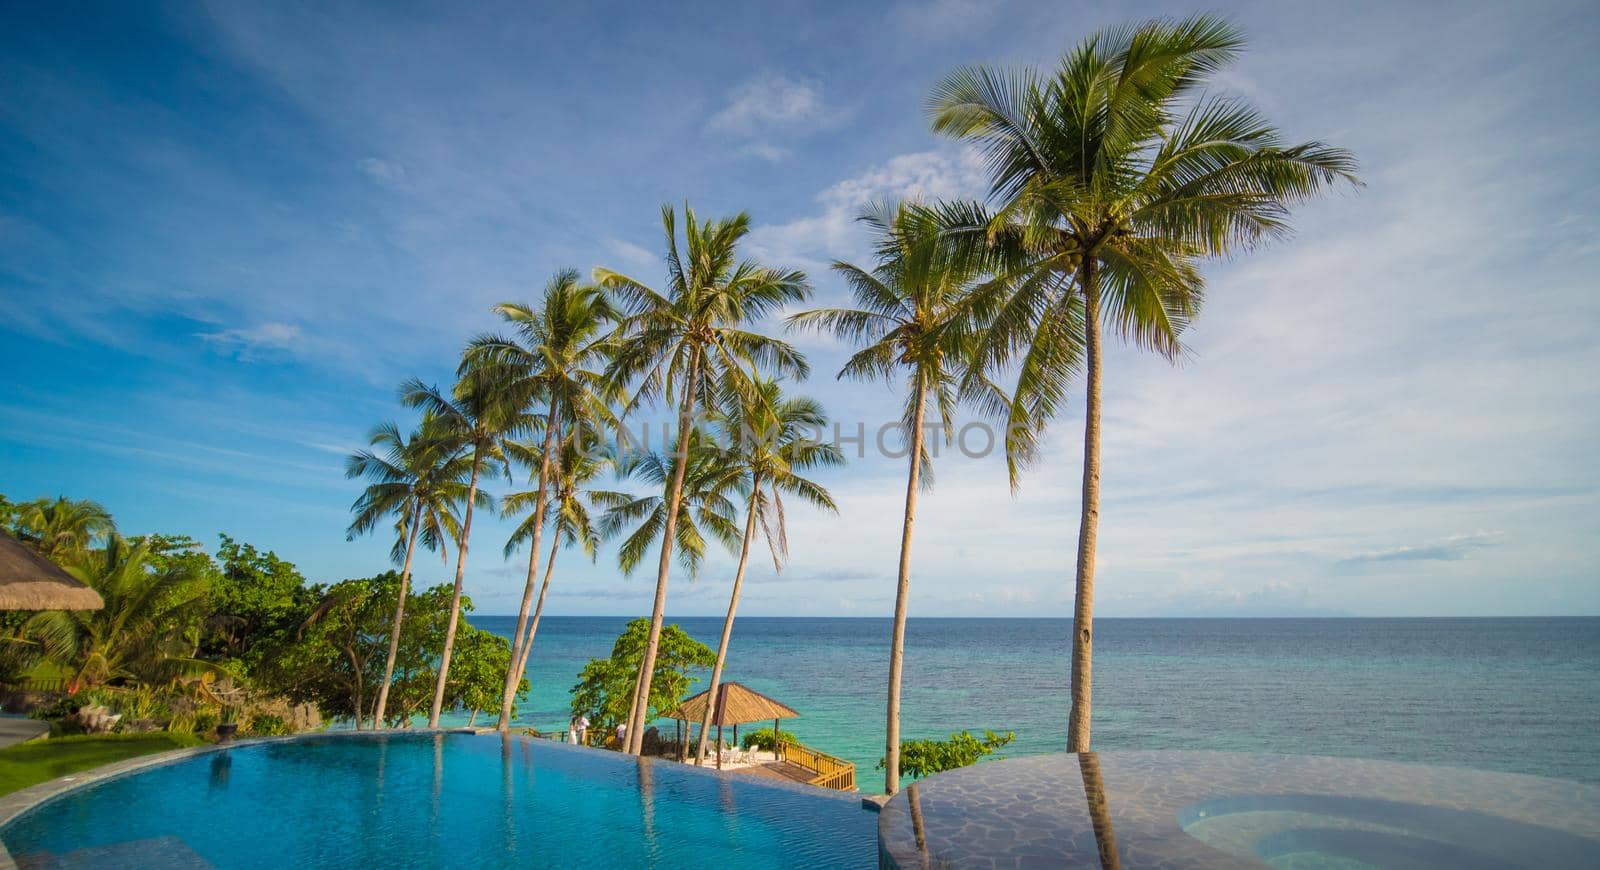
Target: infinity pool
{"type": "Point", "coordinates": [1225, 810]}
{"type": "Point", "coordinates": [438, 800]}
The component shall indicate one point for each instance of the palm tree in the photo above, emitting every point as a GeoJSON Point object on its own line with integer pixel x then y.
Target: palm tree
{"type": "Point", "coordinates": [915, 316]}
{"type": "Point", "coordinates": [480, 413]}
{"type": "Point", "coordinates": [1116, 177]}
{"type": "Point", "coordinates": [575, 470]}
{"type": "Point", "coordinates": [690, 341]}
{"type": "Point", "coordinates": [772, 440]}
{"type": "Point", "coordinates": [147, 630]}
{"type": "Point", "coordinates": [704, 508]}
{"type": "Point", "coordinates": [416, 480]}
{"type": "Point", "coordinates": [553, 357]}
{"type": "Point", "coordinates": [59, 530]}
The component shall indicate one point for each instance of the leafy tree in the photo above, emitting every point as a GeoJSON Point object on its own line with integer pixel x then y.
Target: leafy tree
{"type": "Point", "coordinates": [417, 481]}
{"type": "Point", "coordinates": [605, 687]}
{"type": "Point", "coordinates": [256, 604]}
{"type": "Point", "coordinates": [60, 529]}
{"type": "Point", "coordinates": [921, 758]}
{"type": "Point", "coordinates": [914, 320]}
{"type": "Point", "coordinates": [1117, 175]}
{"type": "Point", "coordinates": [476, 679]}
{"type": "Point", "coordinates": [691, 341]}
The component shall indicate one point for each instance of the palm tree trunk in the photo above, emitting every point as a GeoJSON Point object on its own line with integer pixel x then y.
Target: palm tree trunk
{"type": "Point", "coordinates": [641, 695]}
{"type": "Point", "coordinates": [1094, 795]}
{"type": "Point", "coordinates": [1089, 521]}
{"type": "Point", "coordinates": [399, 617]}
{"type": "Point", "coordinates": [533, 624]}
{"type": "Point", "coordinates": [897, 642]}
{"type": "Point", "coordinates": [727, 623]}
{"type": "Point", "coordinates": [513, 674]}
{"type": "Point", "coordinates": [455, 596]}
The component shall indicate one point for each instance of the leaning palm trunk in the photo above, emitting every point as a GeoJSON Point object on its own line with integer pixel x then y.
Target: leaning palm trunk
{"type": "Point", "coordinates": [727, 625]}
{"type": "Point", "coordinates": [1088, 525]}
{"type": "Point", "coordinates": [641, 695]}
{"type": "Point", "coordinates": [897, 643]}
{"type": "Point", "coordinates": [514, 673]}
{"type": "Point", "coordinates": [399, 618]}
{"type": "Point", "coordinates": [455, 596]}
{"type": "Point", "coordinates": [533, 624]}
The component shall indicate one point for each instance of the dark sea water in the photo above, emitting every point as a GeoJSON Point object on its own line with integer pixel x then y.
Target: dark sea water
{"type": "Point", "coordinates": [1519, 695]}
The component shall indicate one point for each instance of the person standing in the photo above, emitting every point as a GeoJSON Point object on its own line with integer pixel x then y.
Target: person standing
{"type": "Point", "coordinates": [582, 726]}
{"type": "Point", "coordinates": [572, 730]}
{"type": "Point", "coordinates": [622, 734]}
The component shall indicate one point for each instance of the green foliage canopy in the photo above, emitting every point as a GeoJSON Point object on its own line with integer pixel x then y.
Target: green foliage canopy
{"type": "Point", "coordinates": [922, 758]}
{"type": "Point", "coordinates": [604, 691]}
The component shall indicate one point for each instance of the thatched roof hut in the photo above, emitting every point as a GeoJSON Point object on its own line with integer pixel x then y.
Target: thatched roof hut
{"type": "Point", "coordinates": [736, 705]}
{"type": "Point", "coordinates": [29, 581]}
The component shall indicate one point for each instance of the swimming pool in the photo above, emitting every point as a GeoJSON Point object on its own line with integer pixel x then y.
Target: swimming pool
{"type": "Point", "coordinates": [434, 800]}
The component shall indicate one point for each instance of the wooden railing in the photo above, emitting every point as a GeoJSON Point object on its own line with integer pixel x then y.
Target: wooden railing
{"type": "Point", "coordinates": [831, 772]}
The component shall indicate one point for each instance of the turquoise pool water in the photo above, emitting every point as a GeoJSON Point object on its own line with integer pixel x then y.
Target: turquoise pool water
{"type": "Point", "coordinates": [439, 800]}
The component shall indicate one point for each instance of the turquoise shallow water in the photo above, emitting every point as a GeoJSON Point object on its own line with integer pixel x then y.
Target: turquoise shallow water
{"type": "Point", "coordinates": [1519, 695]}
{"type": "Point", "coordinates": [439, 801]}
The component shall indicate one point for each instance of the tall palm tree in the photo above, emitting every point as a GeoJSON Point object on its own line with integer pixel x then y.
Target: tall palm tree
{"type": "Point", "coordinates": [60, 529]}
{"type": "Point", "coordinates": [1115, 176]}
{"type": "Point", "coordinates": [555, 357]}
{"type": "Point", "coordinates": [915, 319]}
{"type": "Point", "coordinates": [771, 440]}
{"type": "Point", "coordinates": [417, 480]}
{"type": "Point", "coordinates": [478, 416]}
{"type": "Point", "coordinates": [572, 524]}
{"type": "Point", "coordinates": [690, 341]}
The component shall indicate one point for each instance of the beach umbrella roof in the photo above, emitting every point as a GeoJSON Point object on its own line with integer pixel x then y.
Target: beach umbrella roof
{"type": "Point", "coordinates": [736, 705]}
{"type": "Point", "coordinates": [29, 581]}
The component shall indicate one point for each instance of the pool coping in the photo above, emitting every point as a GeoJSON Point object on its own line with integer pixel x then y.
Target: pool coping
{"type": "Point", "coordinates": [25, 800]}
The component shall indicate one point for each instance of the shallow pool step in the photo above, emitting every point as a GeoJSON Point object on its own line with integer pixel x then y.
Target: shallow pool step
{"type": "Point", "coordinates": [157, 852]}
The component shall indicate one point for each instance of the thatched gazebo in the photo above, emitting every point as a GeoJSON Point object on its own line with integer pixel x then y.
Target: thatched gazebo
{"type": "Point", "coordinates": [29, 581]}
{"type": "Point", "coordinates": [736, 705]}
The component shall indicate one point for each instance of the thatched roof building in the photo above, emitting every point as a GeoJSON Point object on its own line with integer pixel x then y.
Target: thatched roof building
{"type": "Point", "coordinates": [29, 581]}
{"type": "Point", "coordinates": [736, 705]}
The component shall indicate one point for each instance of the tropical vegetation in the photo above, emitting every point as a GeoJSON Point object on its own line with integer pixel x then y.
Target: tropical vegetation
{"type": "Point", "coordinates": [920, 758]}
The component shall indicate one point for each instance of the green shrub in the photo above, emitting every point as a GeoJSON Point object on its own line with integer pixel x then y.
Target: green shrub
{"type": "Point", "coordinates": [920, 758]}
{"type": "Point", "coordinates": [762, 739]}
{"type": "Point", "coordinates": [268, 725]}
{"type": "Point", "coordinates": [205, 720]}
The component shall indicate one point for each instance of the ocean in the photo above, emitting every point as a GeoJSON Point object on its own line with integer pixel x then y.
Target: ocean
{"type": "Point", "coordinates": [1519, 694]}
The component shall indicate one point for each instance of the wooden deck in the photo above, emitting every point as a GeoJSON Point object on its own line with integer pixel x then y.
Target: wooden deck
{"type": "Point", "coordinates": [783, 770]}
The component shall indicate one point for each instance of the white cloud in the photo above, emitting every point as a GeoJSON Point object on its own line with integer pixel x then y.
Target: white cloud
{"type": "Point", "coordinates": [390, 172]}
{"type": "Point", "coordinates": [833, 231]}
{"type": "Point", "coordinates": [770, 102]}
{"type": "Point", "coordinates": [625, 250]}
{"type": "Point", "coordinates": [252, 343]}
{"type": "Point", "coordinates": [942, 19]}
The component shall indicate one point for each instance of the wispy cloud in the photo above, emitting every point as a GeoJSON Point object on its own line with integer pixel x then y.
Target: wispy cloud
{"type": "Point", "coordinates": [770, 102]}
{"type": "Point", "coordinates": [1451, 549]}
{"type": "Point", "coordinates": [253, 343]}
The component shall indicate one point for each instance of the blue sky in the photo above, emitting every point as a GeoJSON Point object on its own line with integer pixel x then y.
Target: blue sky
{"type": "Point", "coordinates": [228, 231]}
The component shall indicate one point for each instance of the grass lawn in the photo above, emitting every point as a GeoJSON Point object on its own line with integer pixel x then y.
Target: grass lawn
{"type": "Point", "coordinates": [30, 763]}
